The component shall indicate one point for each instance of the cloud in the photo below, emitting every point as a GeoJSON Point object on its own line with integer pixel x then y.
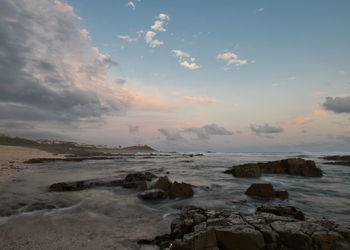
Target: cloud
{"type": "Point", "coordinates": [181, 55]}
{"type": "Point", "coordinates": [200, 99]}
{"type": "Point", "coordinates": [133, 129]}
{"type": "Point", "coordinates": [149, 39]}
{"type": "Point", "coordinates": [260, 9]}
{"type": "Point", "coordinates": [204, 132]}
{"type": "Point", "coordinates": [163, 16]}
{"type": "Point", "coordinates": [265, 129]}
{"type": "Point", "coordinates": [158, 25]}
{"type": "Point", "coordinates": [303, 119]}
{"type": "Point", "coordinates": [128, 38]}
{"type": "Point", "coordinates": [319, 93]}
{"type": "Point", "coordinates": [120, 81]}
{"type": "Point", "coordinates": [291, 78]}
{"type": "Point", "coordinates": [341, 72]}
{"type": "Point", "coordinates": [85, 34]}
{"type": "Point", "coordinates": [171, 134]}
{"type": "Point", "coordinates": [319, 112]}
{"type": "Point", "coordinates": [188, 65]}
{"type": "Point", "coordinates": [231, 59]}
{"type": "Point", "coordinates": [48, 73]}
{"type": "Point", "coordinates": [131, 4]}
{"type": "Point", "coordinates": [337, 104]}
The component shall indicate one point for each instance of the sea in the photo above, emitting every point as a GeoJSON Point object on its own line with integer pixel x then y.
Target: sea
{"type": "Point", "coordinates": [115, 218]}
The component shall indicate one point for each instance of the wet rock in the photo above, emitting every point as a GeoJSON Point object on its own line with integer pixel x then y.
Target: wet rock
{"type": "Point", "coordinates": [279, 210]}
{"type": "Point", "coordinates": [247, 170]}
{"type": "Point", "coordinates": [82, 185]}
{"type": "Point", "coordinates": [260, 230]}
{"type": "Point", "coordinates": [343, 160]}
{"type": "Point", "coordinates": [153, 194]}
{"type": "Point", "coordinates": [180, 190]}
{"type": "Point", "coordinates": [265, 190]}
{"type": "Point", "coordinates": [39, 206]}
{"type": "Point", "coordinates": [138, 180]}
{"type": "Point", "coordinates": [162, 183]}
{"type": "Point", "coordinates": [292, 166]}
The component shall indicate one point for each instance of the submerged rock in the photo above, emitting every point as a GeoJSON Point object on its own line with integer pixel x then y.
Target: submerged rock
{"type": "Point", "coordinates": [265, 190]}
{"type": "Point", "coordinates": [292, 166]}
{"type": "Point", "coordinates": [153, 194]}
{"type": "Point", "coordinates": [180, 190]}
{"type": "Point", "coordinates": [277, 209]}
{"type": "Point", "coordinates": [197, 228]}
{"type": "Point", "coordinates": [82, 185]}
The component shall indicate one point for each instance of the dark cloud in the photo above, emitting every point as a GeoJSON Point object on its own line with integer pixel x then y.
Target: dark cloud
{"type": "Point", "coordinates": [337, 104]}
{"type": "Point", "coordinates": [202, 133]}
{"type": "Point", "coordinates": [171, 134]}
{"type": "Point", "coordinates": [120, 81]}
{"type": "Point", "coordinates": [265, 129]}
{"type": "Point", "coordinates": [47, 71]}
{"type": "Point", "coordinates": [133, 129]}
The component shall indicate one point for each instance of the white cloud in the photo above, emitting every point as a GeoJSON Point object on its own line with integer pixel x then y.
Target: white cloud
{"type": "Point", "coordinates": [158, 26]}
{"type": "Point", "coordinates": [188, 65]}
{"type": "Point", "coordinates": [163, 17]}
{"type": "Point", "coordinates": [231, 59]}
{"type": "Point", "coordinates": [180, 53]}
{"type": "Point", "coordinates": [131, 4]}
{"type": "Point", "coordinates": [260, 9]}
{"type": "Point", "coordinates": [292, 78]}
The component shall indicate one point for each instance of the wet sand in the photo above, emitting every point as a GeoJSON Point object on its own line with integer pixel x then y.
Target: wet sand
{"type": "Point", "coordinates": [12, 157]}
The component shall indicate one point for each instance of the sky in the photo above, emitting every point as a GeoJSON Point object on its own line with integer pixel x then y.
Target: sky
{"type": "Point", "coordinates": [185, 75]}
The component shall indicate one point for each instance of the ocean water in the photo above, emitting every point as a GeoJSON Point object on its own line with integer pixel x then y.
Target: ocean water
{"type": "Point", "coordinates": [115, 218]}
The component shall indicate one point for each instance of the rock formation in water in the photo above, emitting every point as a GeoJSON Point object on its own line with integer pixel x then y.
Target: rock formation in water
{"type": "Point", "coordinates": [343, 160]}
{"type": "Point", "coordinates": [292, 166]}
{"type": "Point", "coordinates": [152, 187]}
{"type": "Point", "coordinates": [272, 227]}
{"type": "Point", "coordinates": [265, 190]}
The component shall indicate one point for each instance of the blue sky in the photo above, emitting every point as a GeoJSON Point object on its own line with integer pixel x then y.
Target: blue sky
{"type": "Point", "coordinates": [206, 75]}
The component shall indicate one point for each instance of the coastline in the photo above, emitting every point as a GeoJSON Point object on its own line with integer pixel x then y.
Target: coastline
{"type": "Point", "coordinates": [11, 158]}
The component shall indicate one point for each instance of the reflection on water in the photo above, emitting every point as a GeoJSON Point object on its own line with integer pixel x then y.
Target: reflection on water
{"type": "Point", "coordinates": [114, 218]}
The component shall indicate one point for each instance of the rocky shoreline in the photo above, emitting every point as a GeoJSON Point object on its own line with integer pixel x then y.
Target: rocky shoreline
{"type": "Point", "coordinates": [271, 227]}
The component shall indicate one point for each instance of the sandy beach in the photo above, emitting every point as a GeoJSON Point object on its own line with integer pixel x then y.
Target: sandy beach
{"type": "Point", "coordinates": [11, 158]}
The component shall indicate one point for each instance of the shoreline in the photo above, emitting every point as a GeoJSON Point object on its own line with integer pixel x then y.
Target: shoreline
{"type": "Point", "coordinates": [12, 158]}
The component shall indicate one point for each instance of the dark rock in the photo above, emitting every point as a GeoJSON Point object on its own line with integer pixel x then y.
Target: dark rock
{"type": "Point", "coordinates": [265, 190]}
{"type": "Point", "coordinates": [261, 189]}
{"type": "Point", "coordinates": [180, 190]}
{"type": "Point", "coordinates": [246, 170]}
{"type": "Point", "coordinates": [281, 194]}
{"type": "Point", "coordinates": [153, 194]}
{"type": "Point", "coordinates": [39, 206]}
{"type": "Point", "coordinates": [276, 209]}
{"type": "Point", "coordinates": [146, 176]}
{"type": "Point", "coordinates": [292, 166]}
{"type": "Point", "coordinates": [228, 229]}
{"type": "Point", "coordinates": [162, 183]}
{"type": "Point", "coordinates": [82, 185]}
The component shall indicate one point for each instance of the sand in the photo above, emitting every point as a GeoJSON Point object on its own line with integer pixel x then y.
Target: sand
{"type": "Point", "coordinates": [12, 157]}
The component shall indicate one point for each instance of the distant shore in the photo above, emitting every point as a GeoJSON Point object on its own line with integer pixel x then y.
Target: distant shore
{"type": "Point", "coordinates": [12, 156]}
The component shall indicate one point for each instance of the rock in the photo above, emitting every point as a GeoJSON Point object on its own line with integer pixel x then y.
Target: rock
{"type": "Point", "coordinates": [240, 237]}
{"type": "Point", "coordinates": [223, 230]}
{"type": "Point", "coordinates": [180, 190]}
{"type": "Point", "coordinates": [82, 185]}
{"type": "Point", "coordinates": [292, 166]}
{"type": "Point", "coordinates": [265, 190]}
{"type": "Point", "coordinates": [146, 176]}
{"type": "Point", "coordinates": [162, 183]}
{"type": "Point", "coordinates": [261, 189]}
{"type": "Point", "coordinates": [281, 194]}
{"type": "Point", "coordinates": [138, 180]}
{"type": "Point", "coordinates": [279, 210]}
{"type": "Point", "coordinates": [153, 194]}
{"type": "Point", "coordinates": [246, 170]}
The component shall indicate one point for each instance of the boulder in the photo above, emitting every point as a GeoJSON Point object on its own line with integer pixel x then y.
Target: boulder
{"type": "Point", "coordinates": [279, 210]}
{"type": "Point", "coordinates": [153, 194]}
{"type": "Point", "coordinates": [162, 183]}
{"type": "Point", "coordinates": [246, 170]}
{"type": "Point", "coordinates": [138, 180]}
{"type": "Point", "coordinates": [265, 190]}
{"type": "Point", "coordinates": [180, 190]}
{"type": "Point", "coordinates": [222, 230]}
{"type": "Point", "coordinates": [82, 185]}
{"type": "Point", "coordinates": [292, 166]}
